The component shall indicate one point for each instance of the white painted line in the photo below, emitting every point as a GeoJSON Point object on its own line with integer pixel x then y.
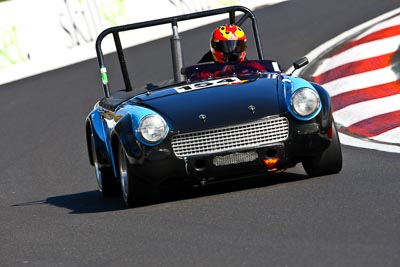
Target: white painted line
{"type": "Point", "coordinates": [356, 142]}
{"type": "Point", "coordinates": [360, 52]}
{"type": "Point", "coordinates": [386, 24]}
{"type": "Point", "coordinates": [360, 81]}
{"type": "Point", "coordinates": [367, 109]}
{"type": "Point", "coordinates": [392, 136]}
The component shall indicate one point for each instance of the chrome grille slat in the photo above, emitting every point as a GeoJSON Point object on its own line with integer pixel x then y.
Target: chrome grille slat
{"type": "Point", "coordinates": [249, 135]}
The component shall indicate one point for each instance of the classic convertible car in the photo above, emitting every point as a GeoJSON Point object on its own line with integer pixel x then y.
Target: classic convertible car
{"type": "Point", "coordinates": [236, 122]}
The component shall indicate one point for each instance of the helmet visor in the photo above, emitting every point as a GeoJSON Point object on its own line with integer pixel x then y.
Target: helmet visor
{"type": "Point", "coordinates": [230, 46]}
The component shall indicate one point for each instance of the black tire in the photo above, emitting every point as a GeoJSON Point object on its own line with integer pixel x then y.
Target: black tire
{"type": "Point", "coordinates": [106, 180]}
{"type": "Point", "coordinates": [135, 191]}
{"type": "Point", "coordinates": [329, 161]}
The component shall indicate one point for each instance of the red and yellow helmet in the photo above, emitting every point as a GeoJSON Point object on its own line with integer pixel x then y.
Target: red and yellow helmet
{"type": "Point", "coordinates": [228, 43]}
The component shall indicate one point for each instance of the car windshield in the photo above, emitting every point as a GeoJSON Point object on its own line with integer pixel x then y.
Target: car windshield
{"type": "Point", "coordinates": [217, 70]}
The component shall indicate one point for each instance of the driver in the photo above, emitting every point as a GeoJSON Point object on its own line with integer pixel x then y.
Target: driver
{"type": "Point", "coordinates": [227, 43]}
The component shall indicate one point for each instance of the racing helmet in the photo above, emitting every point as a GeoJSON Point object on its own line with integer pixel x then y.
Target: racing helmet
{"type": "Point", "coordinates": [228, 43]}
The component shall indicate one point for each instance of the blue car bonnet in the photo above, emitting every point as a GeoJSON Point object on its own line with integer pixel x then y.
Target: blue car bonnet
{"type": "Point", "coordinates": [215, 103]}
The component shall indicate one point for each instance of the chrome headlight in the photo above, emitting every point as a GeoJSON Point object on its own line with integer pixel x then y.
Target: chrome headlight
{"type": "Point", "coordinates": [305, 101]}
{"type": "Point", "coordinates": [153, 128]}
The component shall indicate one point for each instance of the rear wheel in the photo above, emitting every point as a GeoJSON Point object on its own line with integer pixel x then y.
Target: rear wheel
{"type": "Point", "coordinates": [106, 180]}
{"type": "Point", "coordinates": [135, 191]}
{"type": "Point", "coordinates": [328, 161]}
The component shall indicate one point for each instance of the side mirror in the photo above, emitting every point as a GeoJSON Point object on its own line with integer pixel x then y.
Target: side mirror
{"type": "Point", "coordinates": [299, 64]}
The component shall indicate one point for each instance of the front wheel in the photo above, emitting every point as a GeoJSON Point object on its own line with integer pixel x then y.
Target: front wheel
{"type": "Point", "coordinates": [328, 161]}
{"type": "Point", "coordinates": [135, 191]}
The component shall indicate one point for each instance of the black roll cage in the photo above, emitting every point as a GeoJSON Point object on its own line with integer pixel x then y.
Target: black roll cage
{"type": "Point", "coordinates": [177, 58]}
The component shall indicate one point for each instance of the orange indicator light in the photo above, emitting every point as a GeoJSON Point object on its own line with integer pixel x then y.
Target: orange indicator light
{"type": "Point", "coordinates": [270, 163]}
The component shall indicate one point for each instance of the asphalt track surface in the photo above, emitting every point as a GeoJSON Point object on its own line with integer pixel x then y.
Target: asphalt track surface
{"type": "Point", "coordinates": [51, 213]}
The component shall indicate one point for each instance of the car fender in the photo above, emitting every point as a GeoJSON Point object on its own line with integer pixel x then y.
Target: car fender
{"type": "Point", "coordinates": [326, 103]}
{"type": "Point", "coordinates": [290, 86]}
{"type": "Point", "coordinates": [96, 126]}
{"type": "Point", "coordinates": [123, 134]}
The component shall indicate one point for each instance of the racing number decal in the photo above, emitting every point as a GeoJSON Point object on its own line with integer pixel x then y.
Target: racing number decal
{"type": "Point", "coordinates": [206, 84]}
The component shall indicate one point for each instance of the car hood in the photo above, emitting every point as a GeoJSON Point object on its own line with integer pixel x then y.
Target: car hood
{"type": "Point", "coordinates": [215, 103]}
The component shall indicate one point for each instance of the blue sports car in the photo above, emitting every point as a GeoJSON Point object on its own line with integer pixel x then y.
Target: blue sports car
{"type": "Point", "coordinates": [212, 122]}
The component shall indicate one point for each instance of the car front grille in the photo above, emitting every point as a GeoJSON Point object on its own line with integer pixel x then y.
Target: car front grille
{"type": "Point", "coordinates": [232, 138]}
